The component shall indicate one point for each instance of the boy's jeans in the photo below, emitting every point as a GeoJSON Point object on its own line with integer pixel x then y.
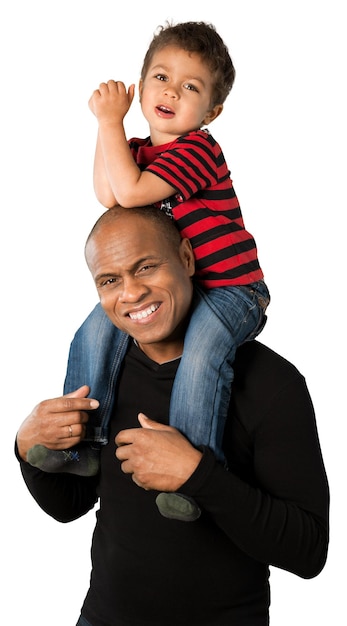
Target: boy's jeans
{"type": "Point", "coordinates": [82, 622]}
{"type": "Point", "coordinates": [223, 319]}
{"type": "Point", "coordinates": [96, 354]}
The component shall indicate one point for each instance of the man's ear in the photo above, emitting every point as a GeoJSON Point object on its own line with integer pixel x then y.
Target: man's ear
{"type": "Point", "coordinates": [211, 115]}
{"type": "Point", "coordinates": [187, 256]}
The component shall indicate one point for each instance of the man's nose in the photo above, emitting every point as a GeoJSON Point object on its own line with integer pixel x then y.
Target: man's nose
{"type": "Point", "coordinates": [133, 290]}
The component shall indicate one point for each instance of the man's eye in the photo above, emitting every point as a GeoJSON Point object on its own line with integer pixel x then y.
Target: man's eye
{"type": "Point", "coordinates": [146, 268]}
{"type": "Point", "coordinates": [108, 282]}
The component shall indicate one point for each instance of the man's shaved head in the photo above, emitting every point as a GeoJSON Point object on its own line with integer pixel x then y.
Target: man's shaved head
{"type": "Point", "coordinates": [165, 226]}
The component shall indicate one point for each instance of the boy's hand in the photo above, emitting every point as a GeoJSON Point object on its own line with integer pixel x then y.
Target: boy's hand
{"type": "Point", "coordinates": [112, 101]}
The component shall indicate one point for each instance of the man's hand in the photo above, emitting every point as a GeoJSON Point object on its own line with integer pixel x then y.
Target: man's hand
{"type": "Point", "coordinates": [158, 456]}
{"type": "Point", "coordinates": [111, 102]}
{"type": "Point", "coordinates": [58, 423]}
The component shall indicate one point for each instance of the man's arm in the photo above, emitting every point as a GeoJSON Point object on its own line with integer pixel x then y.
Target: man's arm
{"type": "Point", "coordinates": [281, 516]}
{"type": "Point", "coordinates": [63, 496]}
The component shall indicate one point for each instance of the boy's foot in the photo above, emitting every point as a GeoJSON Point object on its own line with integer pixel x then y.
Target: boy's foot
{"type": "Point", "coordinates": [83, 461]}
{"type": "Point", "coordinates": [177, 506]}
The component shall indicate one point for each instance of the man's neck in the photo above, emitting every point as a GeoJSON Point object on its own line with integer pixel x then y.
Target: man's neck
{"type": "Point", "coordinates": [164, 354]}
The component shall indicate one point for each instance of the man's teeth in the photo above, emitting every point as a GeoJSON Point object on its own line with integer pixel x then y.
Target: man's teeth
{"type": "Point", "coordinates": [145, 313]}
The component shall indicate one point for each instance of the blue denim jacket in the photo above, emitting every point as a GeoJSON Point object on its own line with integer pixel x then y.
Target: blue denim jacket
{"type": "Point", "coordinates": [98, 368]}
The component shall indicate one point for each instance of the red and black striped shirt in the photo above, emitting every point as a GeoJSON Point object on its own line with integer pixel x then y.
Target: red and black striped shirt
{"type": "Point", "coordinates": [205, 206]}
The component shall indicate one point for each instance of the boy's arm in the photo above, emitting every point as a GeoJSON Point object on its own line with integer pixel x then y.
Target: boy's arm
{"type": "Point", "coordinates": [102, 187]}
{"type": "Point", "coordinates": [126, 184]}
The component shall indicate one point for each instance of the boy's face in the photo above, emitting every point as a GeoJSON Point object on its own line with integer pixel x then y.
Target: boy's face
{"type": "Point", "coordinates": [176, 94]}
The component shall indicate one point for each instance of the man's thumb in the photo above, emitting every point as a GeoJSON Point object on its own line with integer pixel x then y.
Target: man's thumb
{"type": "Point", "coordinates": [146, 422]}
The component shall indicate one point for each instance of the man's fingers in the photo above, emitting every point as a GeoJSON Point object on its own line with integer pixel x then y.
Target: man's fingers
{"type": "Point", "coordinates": [80, 394]}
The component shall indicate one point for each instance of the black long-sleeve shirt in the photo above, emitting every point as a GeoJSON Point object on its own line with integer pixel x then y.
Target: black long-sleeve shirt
{"type": "Point", "coordinates": [269, 508]}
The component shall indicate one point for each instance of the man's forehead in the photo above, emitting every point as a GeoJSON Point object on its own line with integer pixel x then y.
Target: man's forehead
{"type": "Point", "coordinates": [117, 233]}
{"type": "Point", "coordinates": [121, 254]}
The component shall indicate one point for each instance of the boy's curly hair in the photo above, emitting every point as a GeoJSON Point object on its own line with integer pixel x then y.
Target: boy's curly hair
{"type": "Point", "coordinates": [203, 39]}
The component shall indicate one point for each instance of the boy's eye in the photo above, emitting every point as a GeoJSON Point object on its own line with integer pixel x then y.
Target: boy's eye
{"type": "Point", "coordinates": [190, 87]}
{"type": "Point", "coordinates": [160, 77]}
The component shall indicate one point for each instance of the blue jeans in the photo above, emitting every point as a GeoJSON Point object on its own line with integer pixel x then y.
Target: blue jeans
{"type": "Point", "coordinates": [83, 622]}
{"type": "Point", "coordinates": [222, 319]}
{"type": "Point", "coordinates": [96, 355]}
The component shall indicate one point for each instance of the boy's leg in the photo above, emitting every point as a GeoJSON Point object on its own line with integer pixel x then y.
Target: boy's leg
{"type": "Point", "coordinates": [177, 506]}
{"type": "Point", "coordinates": [95, 357]}
{"type": "Point", "coordinates": [83, 459]}
{"type": "Point", "coordinates": [221, 321]}
{"type": "Point", "coordinates": [193, 399]}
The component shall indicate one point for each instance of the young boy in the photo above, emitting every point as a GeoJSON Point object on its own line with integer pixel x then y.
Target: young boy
{"type": "Point", "coordinates": [186, 76]}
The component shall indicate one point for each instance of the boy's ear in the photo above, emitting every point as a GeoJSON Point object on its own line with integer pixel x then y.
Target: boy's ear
{"type": "Point", "coordinates": [140, 88]}
{"type": "Point", "coordinates": [211, 115]}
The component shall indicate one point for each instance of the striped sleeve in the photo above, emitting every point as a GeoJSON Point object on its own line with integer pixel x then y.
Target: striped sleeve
{"type": "Point", "coordinates": [195, 162]}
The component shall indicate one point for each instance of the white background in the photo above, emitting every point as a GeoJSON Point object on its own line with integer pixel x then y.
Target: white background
{"type": "Point", "coordinates": [284, 136]}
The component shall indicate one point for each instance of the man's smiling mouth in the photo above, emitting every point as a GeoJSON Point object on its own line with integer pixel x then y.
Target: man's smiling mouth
{"type": "Point", "coordinates": [139, 315]}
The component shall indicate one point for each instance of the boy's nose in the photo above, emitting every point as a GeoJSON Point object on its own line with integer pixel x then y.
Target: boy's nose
{"type": "Point", "coordinates": [171, 91]}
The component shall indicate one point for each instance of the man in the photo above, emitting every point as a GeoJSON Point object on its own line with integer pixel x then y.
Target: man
{"type": "Point", "coordinates": [269, 507]}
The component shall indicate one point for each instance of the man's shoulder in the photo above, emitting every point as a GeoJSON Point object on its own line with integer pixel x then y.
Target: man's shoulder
{"type": "Point", "coordinates": [258, 368]}
{"type": "Point", "coordinates": [264, 382]}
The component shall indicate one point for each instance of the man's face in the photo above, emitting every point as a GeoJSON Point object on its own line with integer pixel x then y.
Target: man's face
{"type": "Point", "coordinates": [144, 284]}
